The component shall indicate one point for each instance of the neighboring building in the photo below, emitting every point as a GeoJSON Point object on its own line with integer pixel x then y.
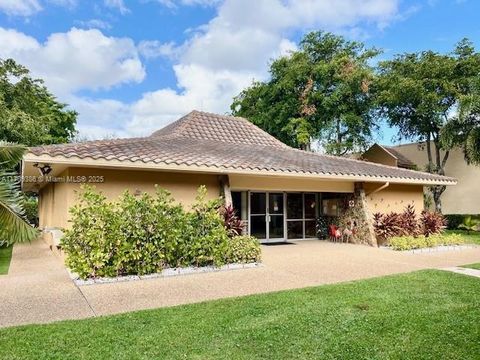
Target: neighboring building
{"type": "Point", "coordinates": [464, 198]}
{"type": "Point", "coordinates": [278, 191]}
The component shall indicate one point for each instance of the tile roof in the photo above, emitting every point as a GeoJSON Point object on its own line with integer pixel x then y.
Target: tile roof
{"type": "Point", "coordinates": [225, 143]}
{"type": "Point", "coordinates": [402, 160]}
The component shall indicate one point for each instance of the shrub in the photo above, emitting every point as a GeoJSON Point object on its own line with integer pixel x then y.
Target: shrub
{"type": "Point", "coordinates": [455, 220]}
{"type": "Point", "coordinates": [91, 243]}
{"type": "Point", "coordinates": [231, 221]}
{"type": "Point", "coordinates": [469, 224]}
{"type": "Point", "coordinates": [207, 236]}
{"type": "Point", "coordinates": [432, 223]}
{"type": "Point", "coordinates": [409, 222]}
{"type": "Point", "coordinates": [243, 249]}
{"type": "Point", "coordinates": [419, 242]}
{"type": "Point", "coordinates": [387, 226]}
{"type": "Point", "coordinates": [322, 224]}
{"type": "Point", "coordinates": [144, 234]}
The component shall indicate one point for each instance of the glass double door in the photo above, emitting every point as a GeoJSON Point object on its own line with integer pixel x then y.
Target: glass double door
{"type": "Point", "coordinates": [267, 216]}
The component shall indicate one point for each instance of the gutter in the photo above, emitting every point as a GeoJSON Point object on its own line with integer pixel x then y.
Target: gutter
{"type": "Point", "coordinates": [384, 186]}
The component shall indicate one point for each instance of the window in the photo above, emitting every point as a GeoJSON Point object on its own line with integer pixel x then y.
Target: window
{"type": "Point", "coordinates": [240, 204]}
{"type": "Point", "coordinates": [302, 212]}
{"type": "Point", "coordinates": [333, 203]}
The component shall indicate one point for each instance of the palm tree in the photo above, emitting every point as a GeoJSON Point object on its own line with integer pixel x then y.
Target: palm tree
{"type": "Point", "coordinates": [13, 227]}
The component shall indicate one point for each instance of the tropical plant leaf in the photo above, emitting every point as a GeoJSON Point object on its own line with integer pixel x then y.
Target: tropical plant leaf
{"type": "Point", "coordinates": [10, 154]}
{"type": "Point", "coordinates": [13, 227]}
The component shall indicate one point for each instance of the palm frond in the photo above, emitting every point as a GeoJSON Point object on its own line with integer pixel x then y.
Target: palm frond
{"type": "Point", "coordinates": [13, 227]}
{"type": "Point", "coordinates": [10, 154]}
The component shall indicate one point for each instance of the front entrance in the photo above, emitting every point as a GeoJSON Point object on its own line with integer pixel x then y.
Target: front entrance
{"type": "Point", "coordinates": [277, 216]}
{"type": "Point", "coordinates": [267, 216]}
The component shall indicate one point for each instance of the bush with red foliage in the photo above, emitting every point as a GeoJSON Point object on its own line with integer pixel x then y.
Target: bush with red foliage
{"type": "Point", "coordinates": [231, 221]}
{"type": "Point", "coordinates": [387, 226]}
{"type": "Point", "coordinates": [409, 221]}
{"type": "Point", "coordinates": [432, 223]}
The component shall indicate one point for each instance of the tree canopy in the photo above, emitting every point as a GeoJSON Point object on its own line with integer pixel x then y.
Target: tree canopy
{"type": "Point", "coordinates": [463, 130]}
{"type": "Point", "coordinates": [29, 113]}
{"type": "Point", "coordinates": [420, 92]}
{"type": "Point", "coordinates": [319, 93]}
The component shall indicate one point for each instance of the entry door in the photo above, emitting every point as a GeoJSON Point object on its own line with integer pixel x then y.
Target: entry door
{"type": "Point", "coordinates": [267, 216]}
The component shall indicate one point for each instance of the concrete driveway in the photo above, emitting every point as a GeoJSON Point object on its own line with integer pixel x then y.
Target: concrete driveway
{"type": "Point", "coordinates": [39, 290]}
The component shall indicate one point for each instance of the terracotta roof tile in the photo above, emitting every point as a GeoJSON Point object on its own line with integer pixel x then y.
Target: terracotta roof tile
{"type": "Point", "coordinates": [225, 143]}
{"type": "Point", "coordinates": [402, 160]}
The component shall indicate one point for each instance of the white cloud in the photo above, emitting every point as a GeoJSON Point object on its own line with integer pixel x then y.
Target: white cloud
{"type": "Point", "coordinates": [118, 5]}
{"type": "Point", "coordinates": [235, 47]}
{"type": "Point", "coordinates": [95, 24]}
{"type": "Point", "coordinates": [75, 60]}
{"type": "Point", "coordinates": [20, 7]}
{"type": "Point", "coordinates": [220, 58]}
{"type": "Point", "coordinates": [153, 49]}
{"type": "Point", "coordinates": [176, 3]}
{"type": "Point", "coordinates": [100, 118]}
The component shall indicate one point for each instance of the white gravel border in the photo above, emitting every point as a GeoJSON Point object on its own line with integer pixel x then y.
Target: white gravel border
{"type": "Point", "coordinates": [433, 249]}
{"type": "Point", "coordinates": [163, 274]}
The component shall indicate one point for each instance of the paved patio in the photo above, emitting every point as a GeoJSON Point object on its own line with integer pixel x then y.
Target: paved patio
{"type": "Point", "coordinates": [39, 290]}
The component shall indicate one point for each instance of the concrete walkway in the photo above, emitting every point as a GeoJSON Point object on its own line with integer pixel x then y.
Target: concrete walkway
{"type": "Point", "coordinates": [464, 271]}
{"type": "Point", "coordinates": [39, 290]}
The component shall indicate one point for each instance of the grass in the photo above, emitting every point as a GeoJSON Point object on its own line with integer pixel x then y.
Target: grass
{"type": "Point", "coordinates": [473, 237]}
{"type": "Point", "coordinates": [428, 314]}
{"type": "Point", "coordinates": [5, 257]}
{"type": "Point", "coordinates": [472, 266]}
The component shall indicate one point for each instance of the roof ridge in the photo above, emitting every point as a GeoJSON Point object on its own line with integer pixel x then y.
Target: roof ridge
{"type": "Point", "coordinates": [90, 142]}
{"type": "Point", "coordinates": [387, 149]}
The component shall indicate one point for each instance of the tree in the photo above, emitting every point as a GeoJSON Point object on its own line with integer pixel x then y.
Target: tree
{"type": "Point", "coordinates": [29, 113]}
{"type": "Point", "coordinates": [319, 93]}
{"type": "Point", "coordinates": [13, 227]}
{"type": "Point", "coordinates": [464, 129]}
{"type": "Point", "coordinates": [419, 92]}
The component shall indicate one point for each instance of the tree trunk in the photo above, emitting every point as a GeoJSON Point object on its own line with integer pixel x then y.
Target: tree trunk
{"type": "Point", "coordinates": [339, 139]}
{"type": "Point", "coordinates": [437, 168]}
{"type": "Point", "coordinates": [437, 192]}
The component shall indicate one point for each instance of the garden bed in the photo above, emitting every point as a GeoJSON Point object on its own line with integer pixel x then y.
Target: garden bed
{"type": "Point", "coordinates": [137, 236]}
{"type": "Point", "coordinates": [439, 248]}
{"type": "Point", "coordinates": [163, 274]}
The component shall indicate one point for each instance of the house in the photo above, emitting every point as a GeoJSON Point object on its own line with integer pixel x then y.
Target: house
{"type": "Point", "coordinates": [464, 198]}
{"type": "Point", "coordinates": [277, 190]}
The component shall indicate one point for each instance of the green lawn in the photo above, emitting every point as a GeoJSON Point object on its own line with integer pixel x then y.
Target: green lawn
{"type": "Point", "coordinates": [473, 237]}
{"type": "Point", "coordinates": [422, 315]}
{"type": "Point", "coordinates": [5, 257]}
{"type": "Point", "coordinates": [472, 266]}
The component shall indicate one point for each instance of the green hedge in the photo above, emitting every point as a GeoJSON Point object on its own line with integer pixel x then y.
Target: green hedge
{"type": "Point", "coordinates": [410, 242]}
{"type": "Point", "coordinates": [455, 220]}
{"type": "Point", "coordinates": [145, 234]}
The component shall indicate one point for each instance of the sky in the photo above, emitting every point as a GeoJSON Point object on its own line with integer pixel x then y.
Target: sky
{"type": "Point", "coordinates": [129, 67]}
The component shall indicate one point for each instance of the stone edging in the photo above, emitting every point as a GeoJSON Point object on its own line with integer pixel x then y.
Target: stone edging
{"type": "Point", "coordinates": [163, 274]}
{"type": "Point", "coordinates": [433, 249]}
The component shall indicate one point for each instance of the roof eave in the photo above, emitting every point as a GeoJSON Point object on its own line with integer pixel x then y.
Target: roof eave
{"type": "Point", "coordinates": [140, 165]}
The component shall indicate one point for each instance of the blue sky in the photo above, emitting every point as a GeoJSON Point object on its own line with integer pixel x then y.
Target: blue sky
{"type": "Point", "coordinates": [130, 67]}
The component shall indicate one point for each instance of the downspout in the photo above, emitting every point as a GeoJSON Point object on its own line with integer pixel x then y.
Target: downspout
{"type": "Point", "coordinates": [384, 186]}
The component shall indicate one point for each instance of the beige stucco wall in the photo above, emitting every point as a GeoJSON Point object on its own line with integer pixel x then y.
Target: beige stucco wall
{"type": "Point", "coordinates": [378, 155]}
{"type": "Point", "coordinates": [463, 198]}
{"type": "Point", "coordinates": [54, 203]}
{"type": "Point", "coordinates": [271, 183]}
{"type": "Point", "coordinates": [56, 199]}
{"type": "Point", "coordinates": [394, 198]}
